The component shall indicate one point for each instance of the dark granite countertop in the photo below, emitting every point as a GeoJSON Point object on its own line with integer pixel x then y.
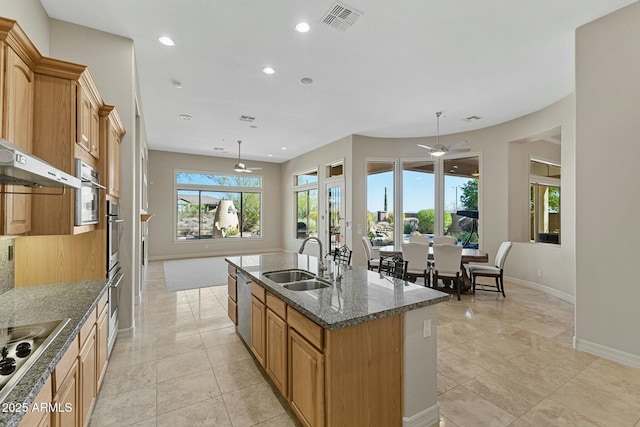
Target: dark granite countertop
{"type": "Point", "coordinates": [34, 304]}
{"type": "Point", "coordinates": [361, 295]}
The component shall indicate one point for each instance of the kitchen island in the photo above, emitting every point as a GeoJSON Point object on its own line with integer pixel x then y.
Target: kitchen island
{"type": "Point", "coordinates": [359, 351]}
{"type": "Point", "coordinates": [75, 302]}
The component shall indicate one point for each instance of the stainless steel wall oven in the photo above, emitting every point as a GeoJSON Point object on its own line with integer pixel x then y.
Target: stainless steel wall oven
{"type": "Point", "coordinates": [114, 271]}
{"type": "Point", "coordinates": [88, 195]}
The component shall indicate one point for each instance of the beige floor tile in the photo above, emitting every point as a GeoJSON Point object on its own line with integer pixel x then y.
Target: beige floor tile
{"type": "Point", "coordinates": [445, 384]}
{"type": "Point", "coordinates": [283, 420]}
{"type": "Point", "coordinates": [542, 379]}
{"type": "Point", "coordinates": [550, 413]}
{"type": "Point", "coordinates": [168, 346]}
{"type": "Point", "coordinates": [126, 408]}
{"type": "Point", "coordinates": [444, 422]}
{"type": "Point", "coordinates": [457, 368]}
{"type": "Point", "coordinates": [210, 413]}
{"type": "Point", "coordinates": [509, 395]}
{"type": "Point", "coordinates": [119, 379]}
{"type": "Point", "coordinates": [467, 409]}
{"type": "Point", "coordinates": [238, 375]}
{"type": "Point", "coordinates": [251, 405]}
{"type": "Point", "coordinates": [213, 323]}
{"type": "Point", "coordinates": [226, 353]}
{"type": "Point", "coordinates": [186, 390]}
{"type": "Point", "coordinates": [219, 336]}
{"type": "Point", "coordinates": [182, 364]}
{"type": "Point", "coordinates": [596, 404]}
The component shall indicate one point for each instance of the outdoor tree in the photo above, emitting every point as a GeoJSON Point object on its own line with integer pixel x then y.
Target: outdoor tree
{"type": "Point", "coordinates": [426, 218]}
{"type": "Point", "coordinates": [469, 197]}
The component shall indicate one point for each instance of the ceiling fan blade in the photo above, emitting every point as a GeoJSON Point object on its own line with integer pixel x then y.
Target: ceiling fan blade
{"type": "Point", "coordinates": [457, 144]}
{"type": "Point", "coordinates": [255, 169]}
{"type": "Point", "coordinates": [425, 147]}
{"type": "Point", "coordinates": [459, 150]}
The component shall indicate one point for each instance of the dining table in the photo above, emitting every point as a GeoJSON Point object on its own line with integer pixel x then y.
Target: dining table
{"type": "Point", "coordinates": [468, 255]}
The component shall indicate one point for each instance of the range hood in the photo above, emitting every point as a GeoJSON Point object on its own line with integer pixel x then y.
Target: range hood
{"type": "Point", "coordinates": [20, 168]}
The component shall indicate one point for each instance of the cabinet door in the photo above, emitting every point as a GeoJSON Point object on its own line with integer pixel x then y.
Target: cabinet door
{"type": "Point", "coordinates": [66, 400]}
{"type": "Point", "coordinates": [258, 330]}
{"type": "Point", "coordinates": [113, 164]}
{"type": "Point", "coordinates": [87, 377]}
{"type": "Point", "coordinates": [277, 351]}
{"type": "Point", "coordinates": [306, 380]}
{"type": "Point", "coordinates": [103, 347]}
{"type": "Point", "coordinates": [83, 119]}
{"type": "Point", "coordinates": [18, 129]}
{"type": "Point", "coordinates": [94, 132]}
{"type": "Point", "coordinates": [39, 418]}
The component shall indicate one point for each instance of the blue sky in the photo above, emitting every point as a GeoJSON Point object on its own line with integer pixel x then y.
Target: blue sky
{"type": "Point", "coordinates": [418, 191]}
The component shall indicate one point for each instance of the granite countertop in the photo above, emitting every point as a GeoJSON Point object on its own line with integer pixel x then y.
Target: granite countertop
{"type": "Point", "coordinates": [361, 295]}
{"type": "Point", "coordinates": [34, 304]}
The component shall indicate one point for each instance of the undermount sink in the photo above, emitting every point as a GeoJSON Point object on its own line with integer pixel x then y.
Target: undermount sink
{"type": "Point", "coordinates": [288, 276]}
{"type": "Point", "coordinates": [307, 285]}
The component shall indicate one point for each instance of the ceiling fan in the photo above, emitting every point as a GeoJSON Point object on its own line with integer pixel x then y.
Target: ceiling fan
{"type": "Point", "coordinates": [241, 167]}
{"type": "Point", "coordinates": [439, 149]}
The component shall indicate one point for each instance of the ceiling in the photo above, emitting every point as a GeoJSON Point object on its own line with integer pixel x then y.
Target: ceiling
{"type": "Point", "coordinates": [385, 75]}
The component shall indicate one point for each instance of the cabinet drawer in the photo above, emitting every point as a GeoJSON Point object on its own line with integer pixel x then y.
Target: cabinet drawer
{"type": "Point", "coordinates": [232, 310]}
{"type": "Point", "coordinates": [87, 328]}
{"type": "Point", "coordinates": [305, 327]}
{"type": "Point", "coordinates": [65, 364]}
{"type": "Point", "coordinates": [232, 270]}
{"type": "Point", "coordinates": [276, 305]}
{"type": "Point", "coordinates": [258, 292]}
{"type": "Point", "coordinates": [231, 287]}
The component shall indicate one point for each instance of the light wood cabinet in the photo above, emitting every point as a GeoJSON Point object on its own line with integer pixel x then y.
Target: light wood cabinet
{"type": "Point", "coordinates": [40, 418]}
{"type": "Point", "coordinates": [65, 386]}
{"type": "Point", "coordinates": [111, 133]}
{"type": "Point", "coordinates": [276, 351]}
{"type": "Point", "coordinates": [102, 349]}
{"type": "Point", "coordinates": [258, 329]}
{"type": "Point", "coordinates": [87, 376]}
{"type": "Point", "coordinates": [306, 380]}
{"type": "Point", "coordinates": [232, 305]}
{"type": "Point", "coordinates": [87, 119]}
{"type": "Point", "coordinates": [17, 128]}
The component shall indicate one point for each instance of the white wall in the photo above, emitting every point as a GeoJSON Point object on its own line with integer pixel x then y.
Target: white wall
{"type": "Point", "coordinates": [33, 19]}
{"type": "Point", "coordinates": [162, 204]}
{"type": "Point", "coordinates": [110, 59]}
{"type": "Point", "coordinates": [608, 173]}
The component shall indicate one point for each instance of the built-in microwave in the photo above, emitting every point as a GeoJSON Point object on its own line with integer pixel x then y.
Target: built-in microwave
{"type": "Point", "coordinates": [88, 195]}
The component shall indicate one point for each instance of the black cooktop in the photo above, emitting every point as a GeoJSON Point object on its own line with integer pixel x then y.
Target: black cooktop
{"type": "Point", "coordinates": [20, 347]}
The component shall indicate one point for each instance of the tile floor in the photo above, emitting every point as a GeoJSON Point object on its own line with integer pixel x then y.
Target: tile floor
{"type": "Point", "coordinates": [500, 363]}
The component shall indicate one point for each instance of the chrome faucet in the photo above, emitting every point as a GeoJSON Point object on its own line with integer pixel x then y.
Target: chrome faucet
{"type": "Point", "coordinates": [321, 267]}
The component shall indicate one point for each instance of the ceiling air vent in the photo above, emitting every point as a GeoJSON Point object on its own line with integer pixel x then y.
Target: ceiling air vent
{"type": "Point", "coordinates": [247, 118]}
{"type": "Point", "coordinates": [471, 118]}
{"type": "Point", "coordinates": [340, 16]}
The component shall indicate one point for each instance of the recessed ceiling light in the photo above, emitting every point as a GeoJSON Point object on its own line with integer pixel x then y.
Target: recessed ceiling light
{"type": "Point", "coordinates": [302, 27]}
{"type": "Point", "coordinates": [269, 155]}
{"type": "Point", "coordinates": [253, 126]}
{"type": "Point", "coordinates": [176, 84]}
{"type": "Point", "coordinates": [185, 117]}
{"type": "Point", "coordinates": [268, 70]}
{"type": "Point", "coordinates": [306, 80]}
{"type": "Point", "coordinates": [166, 41]}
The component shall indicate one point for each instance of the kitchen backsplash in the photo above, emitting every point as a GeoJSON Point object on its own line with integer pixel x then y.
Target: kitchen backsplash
{"type": "Point", "coordinates": [7, 264]}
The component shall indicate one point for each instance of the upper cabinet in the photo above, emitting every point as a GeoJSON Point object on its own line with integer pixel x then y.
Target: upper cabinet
{"type": "Point", "coordinates": [17, 85]}
{"type": "Point", "coordinates": [52, 109]}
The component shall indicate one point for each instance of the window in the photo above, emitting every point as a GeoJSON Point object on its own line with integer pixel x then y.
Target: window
{"type": "Point", "coordinates": [306, 198]}
{"type": "Point", "coordinates": [461, 199]}
{"type": "Point", "coordinates": [380, 198]}
{"type": "Point", "coordinates": [418, 198]}
{"type": "Point", "coordinates": [544, 201]}
{"type": "Point", "coordinates": [211, 206]}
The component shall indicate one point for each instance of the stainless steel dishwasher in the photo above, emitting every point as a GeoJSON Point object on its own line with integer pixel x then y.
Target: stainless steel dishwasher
{"type": "Point", "coordinates": [243, 283]}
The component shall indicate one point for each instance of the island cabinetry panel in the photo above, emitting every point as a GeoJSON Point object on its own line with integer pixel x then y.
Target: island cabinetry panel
{"type": "Point", "coordinates": [18, 83]}
{"type": "Point", "coordinates": [306, 380]}
{"type": "Point", "coordinates": [232, 304]}
{"type": "Point", "coordinates": [258, 323]}
{"type": "Point", "coordinates": [277, 333]}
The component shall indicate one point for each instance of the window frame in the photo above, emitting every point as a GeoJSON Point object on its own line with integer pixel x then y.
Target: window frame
{"type": "Point", "coordinates": [307, 187]}
{"type": "Point", "coordinates": [537, 181]}
{"type": "Point", "coordinates": [242, 190]}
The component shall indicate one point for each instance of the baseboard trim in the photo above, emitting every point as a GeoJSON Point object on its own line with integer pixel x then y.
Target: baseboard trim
{"type": "Point", "coordinates": [542, 288]}
{"type": "Point", "coordinates": [426, 418]}
{"type": "Point", "coordinates": [607, 352]}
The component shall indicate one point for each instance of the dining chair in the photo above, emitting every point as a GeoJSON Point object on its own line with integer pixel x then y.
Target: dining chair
{"type": "Point", "coordinates": [420, 239]}
{"type": "Point", "coordinates": [416, 254]}
{"type": "Point", "coordinates": [393, 266]}
{"type": "Point", "coordinates": [447, 261]}
{"type": "Point", "coordinates": [342, 255]}
{"type": "Point", "coordinates": [445, 239]}
{"type": "Point", "coordinates": [495, 270]}
{"type": "Point", "coordinates": [373, 261]}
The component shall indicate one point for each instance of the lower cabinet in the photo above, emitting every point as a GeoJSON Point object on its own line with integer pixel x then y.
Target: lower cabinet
{"type": "Point", "coordinates": [88, 378]}
{"type": "Point", "coordinates": [39, 418]}
{"type": "Point", "coordinates": [102, 349]}
{"type": "Point", "coordinates": [277, 366]}
{"type": "Point", "coordinates": [306, 369]}
{"type": "Point", "coordinates": [65, 387]}
{"type": "Point", "coordinates": [258, 331]}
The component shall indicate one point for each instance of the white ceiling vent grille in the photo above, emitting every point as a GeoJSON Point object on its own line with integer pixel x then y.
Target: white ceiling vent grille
{"type": "Point", "coordinates": [340, 16]}
{"type": "Point", "coordinates": [471, 118]}
{"type": "Point", "coordinates": [247, 119]}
